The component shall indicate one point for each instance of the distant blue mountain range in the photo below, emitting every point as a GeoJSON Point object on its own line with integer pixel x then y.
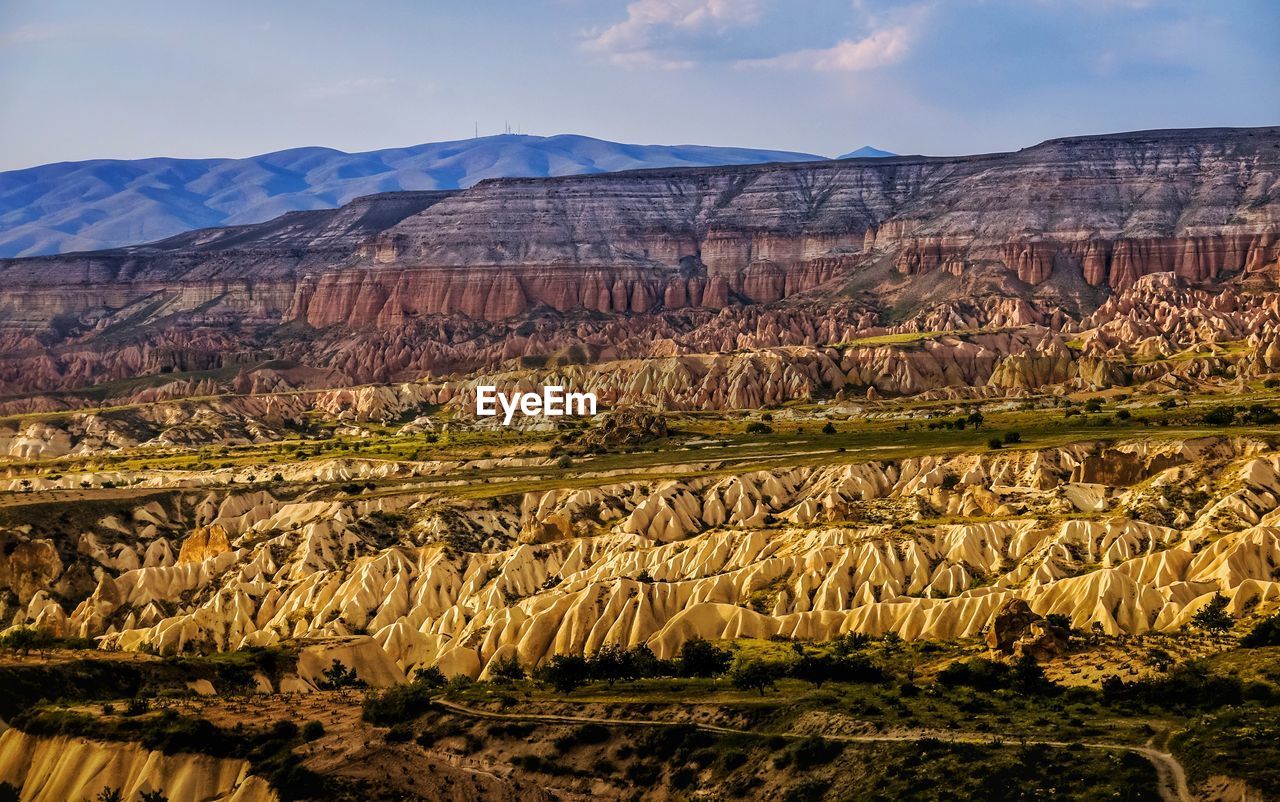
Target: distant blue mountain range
{"type": "Point", "coordinates": [104, 203]}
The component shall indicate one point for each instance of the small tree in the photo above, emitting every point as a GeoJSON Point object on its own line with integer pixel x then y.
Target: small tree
{"type": "Point", "coordinates": [829, 428]}
{"type": "Point", "coordinates": [850, 642]}
{"type": "Point", "coordinates": [507, 669]}
{"type": "Point", "coordinates": [1028, 676]}
{"type": "Point", "coordinates": [337, 677]}
{"type": "Point", "coordinates": [814, 668]}
{"type": "Point", "coordinates": [611, 663]}
{"type": "Point", "coordinates": [1060, 621]}
{"type": "Point", "coordinates": [21, 640]}
{"type": "Point", "coordinates": [701, 658]}
{"type": "Point", "coordinates": [153, 796]}
{"type": "Point", "coordinates": [1213, 617]}
{"type": "Point", "coordinates": [110, 794]}
{"type": "Point", "coordinates": [1220, 416]}
{"type": "Point", "coordinates": [1012, 437]}
{"type": "Point", "coordinates": [995, 443]}
{"type": "Point", "coordinates": [564, 672]}
{"type": "Point", "coordinates": [755, 675]}
{"type": "Point", "coordinates": [976, 418]}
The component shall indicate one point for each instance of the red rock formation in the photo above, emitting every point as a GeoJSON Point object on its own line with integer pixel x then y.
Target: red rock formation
{"type": "Point", "coordinates": [1110, 210]}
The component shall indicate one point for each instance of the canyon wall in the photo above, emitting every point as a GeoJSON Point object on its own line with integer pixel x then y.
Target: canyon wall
{"type": "Point", "coordinates": [1056, 222]}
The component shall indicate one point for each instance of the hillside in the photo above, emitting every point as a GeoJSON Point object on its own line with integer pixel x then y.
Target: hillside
{"type": "Point", "coordinates": [105, 203]}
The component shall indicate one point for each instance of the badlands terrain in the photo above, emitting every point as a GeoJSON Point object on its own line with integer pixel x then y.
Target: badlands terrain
{"type": "Point", "coordinates": [913, 478]}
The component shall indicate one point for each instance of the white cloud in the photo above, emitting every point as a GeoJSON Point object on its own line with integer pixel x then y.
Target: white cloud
{"type": "Point", "coordinates": [889, 40]}
{"type": "Point", "coordinates": [643, 38]}
{"type": "Point", "coordinates": [878, 49]}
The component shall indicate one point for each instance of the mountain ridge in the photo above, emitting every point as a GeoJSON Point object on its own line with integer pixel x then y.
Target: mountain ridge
{"type": "Point", "coordinates": [104, 203]}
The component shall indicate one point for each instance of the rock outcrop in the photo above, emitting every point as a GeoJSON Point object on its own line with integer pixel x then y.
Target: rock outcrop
{"type": "Point", "coordinates": [61, 768]}
{"type": "Point", "coordinates": [405, 579]}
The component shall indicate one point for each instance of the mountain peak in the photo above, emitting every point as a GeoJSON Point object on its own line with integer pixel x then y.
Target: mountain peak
{"type": "Point", "coordinates": [866, 152]}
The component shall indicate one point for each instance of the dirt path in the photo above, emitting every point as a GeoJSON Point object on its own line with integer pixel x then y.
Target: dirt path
{"type": "Point", "coordinates": [1172, 780]}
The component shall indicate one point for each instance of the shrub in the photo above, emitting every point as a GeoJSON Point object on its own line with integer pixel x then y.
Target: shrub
{"type": "Point", "coordinates": [643, 774]}
{"type": "Point", "coordinates": [312, 730]}
{"type": "Point", "coordinates": [814, 751]}
{"type": "Point", "coordinates": [976, 672]}
{"type": "Point", "coordinates": [759, 427]}
{"type": "Point", "coordinates": [507, 669]}
{"type": "Point", "coordinates": [586, 734]}
{"type": "Point", "coordinates": [829, 428]}
{"type": "Point", "coordinates": [683, 777]}
{"type": "Point", "coordinates": [1059, 620]}
{"type": "Point", "coordinates": [431, 676]}
{"type": "Point", "coordinates": [1265, 633]}
{"type": "Point", "coordinates": [397, 704]}
{"type": "Point", "coordinates": [850, 642]}
{"type": "Point", "coordinates": [1219, 416]}
{"type": "Point", "coordinates": [1187, 686]}
{"type": "Point", "coordinates": [995, 443]}
{"type": "Point", "coordinates": [1012, 437]}
{"type": "Point", "coordinates": [950, 481]}
{"type": "Point", "coordinates": [845, 667]}
{"type": "Point", "coordinates": [807, 790]}
{"type": "Point", "coordinates": [733, 758]}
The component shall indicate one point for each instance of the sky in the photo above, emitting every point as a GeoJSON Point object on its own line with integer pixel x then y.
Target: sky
{"type": "Point", "coordinates": [83, 79]}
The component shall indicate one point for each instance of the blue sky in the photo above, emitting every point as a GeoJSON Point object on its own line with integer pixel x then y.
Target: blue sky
{"type": "Point", "coordinates": [128, 78]}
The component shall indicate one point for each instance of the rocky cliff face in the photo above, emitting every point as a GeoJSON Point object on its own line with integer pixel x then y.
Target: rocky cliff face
{"type": "Point", "coordinates": [1046, 232]}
